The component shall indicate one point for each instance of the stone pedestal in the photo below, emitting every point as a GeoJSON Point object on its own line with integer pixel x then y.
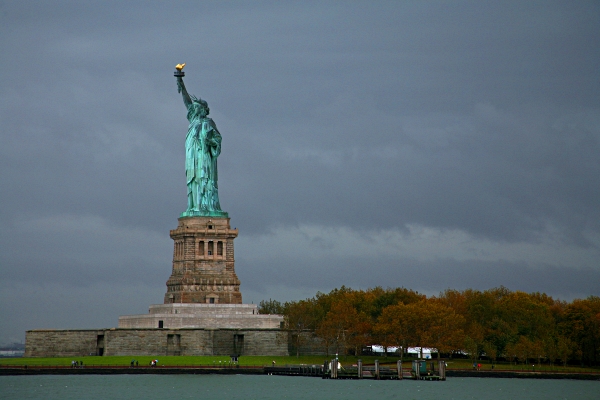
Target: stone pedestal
{"type": "Point", "coordinates": [204, 316]}
{"type": "Point", "coordinates": [203, 291]}
{"type": "Point", "coordinates": [203, 263]}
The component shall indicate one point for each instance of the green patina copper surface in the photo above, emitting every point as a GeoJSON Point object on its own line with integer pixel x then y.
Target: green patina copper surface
{"type": "Point", "coordinates": [202, 148]}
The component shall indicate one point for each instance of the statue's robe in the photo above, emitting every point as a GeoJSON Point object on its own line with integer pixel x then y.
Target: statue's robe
{"type": "Point", "coordinates": [202, 147]}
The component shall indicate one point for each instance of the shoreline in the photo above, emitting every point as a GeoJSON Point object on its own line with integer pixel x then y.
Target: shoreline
{"type": "Point", "coordinates": [587, 376]}
{"type": "Point", "coordinates": [257, 370]}
{"type": "Point", "coordinates": [126, 370]}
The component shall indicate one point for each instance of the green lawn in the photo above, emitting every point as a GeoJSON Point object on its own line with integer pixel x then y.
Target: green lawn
{"type": "Point", "coordinates": [190, 360]}
{"type": "Point", "coordinates": [166, 360]}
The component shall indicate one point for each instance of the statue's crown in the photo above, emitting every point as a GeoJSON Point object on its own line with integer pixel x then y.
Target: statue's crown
{"type": "Point", "coordinates": [199, 101]}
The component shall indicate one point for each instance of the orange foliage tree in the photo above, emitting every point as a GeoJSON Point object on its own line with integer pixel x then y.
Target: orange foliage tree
{"type": "Point", "coordinates": [496, 322]}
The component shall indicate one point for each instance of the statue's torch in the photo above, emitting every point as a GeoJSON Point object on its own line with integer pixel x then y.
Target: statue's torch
{"type": "Point", "coordinates": [179, 74]}
{"type": "Point", "coordinates": [179, 71]}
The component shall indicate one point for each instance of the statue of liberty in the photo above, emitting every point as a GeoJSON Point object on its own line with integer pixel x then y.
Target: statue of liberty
{"type": "Point", "coordinates": [202, 147]}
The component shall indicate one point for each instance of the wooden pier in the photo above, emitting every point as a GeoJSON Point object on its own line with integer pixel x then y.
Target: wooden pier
{"type": "Point", "coordinates": [296, 370]}
{"type": "Point", "coordinates": [333, 370]}
{"type": "Point", "coordinates": [420, 371]}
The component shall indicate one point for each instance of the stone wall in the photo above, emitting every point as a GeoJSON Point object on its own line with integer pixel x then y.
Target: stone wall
{"type": "Point", "coordinates": [155, 342]}
{"type": "Point", "coordinates": [129, 342]}
{"type": "Point", "coordinates": [177, 321]}
{"type": "Point", "coordinates": [61, 343]}
{"type": "Point", "coordinates": [276, 343]}
{"type": "Point", "coordinates": [309, 344]}
{"type": "Point", "coordinates": [251, 342]}
{"type": "Point", "coordinates": [203, 316]}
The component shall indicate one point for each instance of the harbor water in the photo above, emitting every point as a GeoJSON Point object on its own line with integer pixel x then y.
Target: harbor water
{"type": "Point", "coordinates": [66, 387]}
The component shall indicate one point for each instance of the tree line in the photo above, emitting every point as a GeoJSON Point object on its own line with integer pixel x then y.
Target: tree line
{"type": "Point", "coordinates": [497, 323]}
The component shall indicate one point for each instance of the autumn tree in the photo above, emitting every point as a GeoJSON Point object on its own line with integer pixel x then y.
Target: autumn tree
{"type": "Point", "coordinates": [442, 327]}
{"type": "Point", "coordinates": [564, 348]}
{"type": "Point", "coordinates": [343, 326]}
{"type": "Point", "coordinates": [271, 307]}
{"type": "Point", "coordinates": [393, 327]}
{"type": "Point", "coordinates": [522, 350]}
{"type": "Point", "coordinates": [426, 323]}
{"type": "Point", "coordinates": [582, 326]}
{"type": "Point", "coordinates": [300, 320]}
{"type": "Point", "coordinates": [470, 347]}
{"type": "Point", "coordinates": [495, 321]}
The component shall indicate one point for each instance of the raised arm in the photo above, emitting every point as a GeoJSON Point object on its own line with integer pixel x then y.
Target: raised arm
{"type": "Point", "coordinates": [181, 89]}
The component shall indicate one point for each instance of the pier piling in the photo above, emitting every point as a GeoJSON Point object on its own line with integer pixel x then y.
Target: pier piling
{"type": "Point", "coordinates": [399, 367]}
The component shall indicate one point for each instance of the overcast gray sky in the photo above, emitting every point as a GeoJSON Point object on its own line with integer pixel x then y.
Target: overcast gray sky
{"type": "Point", "coordinates": [422, 144]}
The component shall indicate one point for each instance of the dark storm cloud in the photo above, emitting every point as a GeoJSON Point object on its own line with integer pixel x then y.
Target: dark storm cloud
{"type": "Point", "coordinates": [466, 117]}
{"type": "Point", "coordinates": [427, 277]}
